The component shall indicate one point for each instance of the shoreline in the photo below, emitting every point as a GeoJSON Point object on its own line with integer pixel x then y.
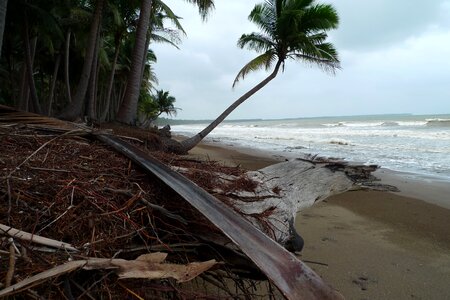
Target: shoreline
{"type": "Point", "coordinates": [375, 245]}
{"type": "Point", "coordinates": [431, 189]}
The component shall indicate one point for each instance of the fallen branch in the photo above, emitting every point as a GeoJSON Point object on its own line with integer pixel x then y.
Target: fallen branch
{"type": "Point", "coordinates": [12, 263]}
{"type": "Point", "coordinates": [16, 233]}
{"type": "Point", "coordinates": [148, 266]}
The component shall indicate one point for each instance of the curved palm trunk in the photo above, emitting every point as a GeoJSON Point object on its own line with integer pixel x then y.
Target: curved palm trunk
{"type": "Point", "coordinates": [3, 5]}
{"type": "Point", "coordinates": [111, 81]}
{"type": "Point", "coordinates": [66, 66]}
{"type": "Point", "coordinates": [74, 109]}
{"type": "Point", "coordinates": [191, 142]}
{"type": "Point", "coordinates": [29, 67]}
{"type": "Point", "coordinates": [144, 60]}
{"type": "Point", "coordinates": [52, 87]}
{"type": "Point", "coordinates": [24, 95]}
{"type": "Point", "coordinates": [92, 89]}
{"type": "Point", "coordinates": [128, 108]}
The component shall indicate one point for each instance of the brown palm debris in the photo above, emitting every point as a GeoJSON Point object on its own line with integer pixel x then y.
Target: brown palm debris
{"type": "Point", "coordinates": [77, 191]}
{"type": "Point", "coordinates": [149, 266]}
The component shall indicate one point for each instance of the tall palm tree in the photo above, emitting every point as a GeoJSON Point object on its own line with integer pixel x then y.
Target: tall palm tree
{"type": "Point", "coordinates": [73, 110]}
{"type": "Point", "coordinates": [128, 109]}
{"type": "Point", "coordinates": [290, 29]}
{"type": "Point", "coordinates": [3, 5]}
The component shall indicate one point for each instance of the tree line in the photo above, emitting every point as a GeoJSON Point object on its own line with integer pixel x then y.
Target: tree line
{"type": "Point", "coordinates": [77, 58]}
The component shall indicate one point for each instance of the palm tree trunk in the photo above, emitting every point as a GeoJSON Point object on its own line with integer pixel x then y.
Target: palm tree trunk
{"type": "Point", "coordinates": [66, 66]}
{"type": "Point", "coordinates": [52, 87]}
{"type": "Point", "coordinates": [24, 95]}
{"type": "Point", "coordinates": [191, 142]}
{"type": "Point", "coordinates": [144, 61]}
{"type": "Point", "coordinates": [29, 66]}
{"type": "Point", "coordinates": [111, 81]}
{"type": "Point", "coordinates": [92, 83]}
{"type": "Point", "coordinates": [74, 109]}
{"type": "Point", "coordinates": [3, 5]}
{"type": "Point", "coordinates": [128, 109]}
{"type": "Point", "coordinates": [23, 102]}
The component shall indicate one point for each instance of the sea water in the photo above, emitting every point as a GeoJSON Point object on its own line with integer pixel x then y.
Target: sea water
{"type": "Point", "coordinates": [407, 143]}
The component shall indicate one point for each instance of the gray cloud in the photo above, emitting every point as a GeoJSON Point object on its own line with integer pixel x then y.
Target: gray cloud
{"type": "Point", "coordinates": [367, 24]}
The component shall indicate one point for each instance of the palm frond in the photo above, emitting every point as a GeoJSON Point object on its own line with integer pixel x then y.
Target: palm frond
{"type": "Point", "coordinates": [325, 57]}
{"type": "Point", "coordinates": [255, 41]}
{"type": "Point", "coordinates": [115, 12]}
{"type": "Point", "coordinates": [168, 37]}
{"type": "Point", "coordinates": [168, 13]}
{"type": "Point", "coordinates": [204, 7]}
{"type": "Point", "coordinates": [103, 57]}
{"type": "Point", "coordinates": [320, 17]}
{"type": "Point", "coordinates": [264, 16]}
{"type": "Point", "coordinates": [264, 60]}
{"type": "Point", "coordinates": [151, 56]}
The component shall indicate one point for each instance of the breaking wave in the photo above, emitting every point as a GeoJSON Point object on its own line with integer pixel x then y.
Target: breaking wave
{"type": "Point", "coordinates": [438, 122]}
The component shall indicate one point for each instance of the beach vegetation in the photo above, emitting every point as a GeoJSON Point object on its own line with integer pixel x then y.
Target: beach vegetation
{"type": "Point", "coordinates": [153, 105]}
{"type": "Point", "coordinates": [289, 30]}
{"type": "Point", "coordinates": [84, 58]}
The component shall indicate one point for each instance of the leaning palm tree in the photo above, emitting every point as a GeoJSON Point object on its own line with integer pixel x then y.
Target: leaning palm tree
{"type": "Point", "coordinates": [290, 29]}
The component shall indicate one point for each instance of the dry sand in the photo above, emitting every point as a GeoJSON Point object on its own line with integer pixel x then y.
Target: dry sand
{"type": "Point", "coordinates": [375, 245]}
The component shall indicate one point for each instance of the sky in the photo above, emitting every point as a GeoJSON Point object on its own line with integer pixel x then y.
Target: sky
{"type": "Point", "coordinates": [395, 58]}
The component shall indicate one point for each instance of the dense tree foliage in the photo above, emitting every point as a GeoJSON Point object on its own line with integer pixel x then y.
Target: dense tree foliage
{"type": "Point", "coordinates": [154, 105]}
{"type": "Point", "coordinates": [83, 58]}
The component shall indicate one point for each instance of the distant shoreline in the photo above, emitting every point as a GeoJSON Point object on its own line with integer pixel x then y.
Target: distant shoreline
{"type": "Point", "coordinates": [166, 121]}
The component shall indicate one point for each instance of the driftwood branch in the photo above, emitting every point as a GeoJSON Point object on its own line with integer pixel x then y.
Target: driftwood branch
{"type": "Point", "coordinates": [19, 234]}
{"type": "Point", "coordinates": [289, 187]}
{"type": "Point", "coordinates": [12, 263]}
{"type": "Point", "coordinates": [149, 266]}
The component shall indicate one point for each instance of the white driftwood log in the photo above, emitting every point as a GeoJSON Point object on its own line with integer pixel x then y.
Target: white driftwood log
{"type": "Point", "coordinates": [288, 187]}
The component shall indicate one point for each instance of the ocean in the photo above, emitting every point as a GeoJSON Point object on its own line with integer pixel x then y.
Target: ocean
{"type": "Point", "coordinates": [417, 144]}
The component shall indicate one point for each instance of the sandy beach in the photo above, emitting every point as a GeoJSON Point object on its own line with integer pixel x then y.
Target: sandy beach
{"type": "Point", "coordinates": [370, 244]}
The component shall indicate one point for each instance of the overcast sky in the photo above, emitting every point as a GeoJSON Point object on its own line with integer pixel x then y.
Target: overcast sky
{"type": "Point", "coordinates": [395, 58]}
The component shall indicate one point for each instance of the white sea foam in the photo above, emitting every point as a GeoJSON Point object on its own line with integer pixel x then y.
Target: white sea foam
{"type": "Point", "coordinates": [403, 143]}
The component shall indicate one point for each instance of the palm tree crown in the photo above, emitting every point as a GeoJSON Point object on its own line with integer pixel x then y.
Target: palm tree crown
{"type": "Point", "coordinates": [290, 29]}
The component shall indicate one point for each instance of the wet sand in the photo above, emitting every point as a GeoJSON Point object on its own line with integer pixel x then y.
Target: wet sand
{"type": "Point", "coordinates": [370, 244]}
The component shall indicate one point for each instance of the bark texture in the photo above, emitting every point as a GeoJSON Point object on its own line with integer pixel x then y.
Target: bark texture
{"type": "Point", "coordinates": [3, 5]}
{"type": "Point", "coordinates": [128, 109]}
{"type": "Point", "coordinates": [284, 189]}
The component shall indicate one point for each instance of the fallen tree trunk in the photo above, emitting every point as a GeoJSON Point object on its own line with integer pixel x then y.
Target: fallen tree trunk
{"type": "Point", "coordinates": [281, 190]}
{"type": "Point", "coordinates": [289, 187]}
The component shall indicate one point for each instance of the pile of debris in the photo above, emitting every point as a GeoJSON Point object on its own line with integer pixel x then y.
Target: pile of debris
{"type": "Point", "coordinates": [68, 199]}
